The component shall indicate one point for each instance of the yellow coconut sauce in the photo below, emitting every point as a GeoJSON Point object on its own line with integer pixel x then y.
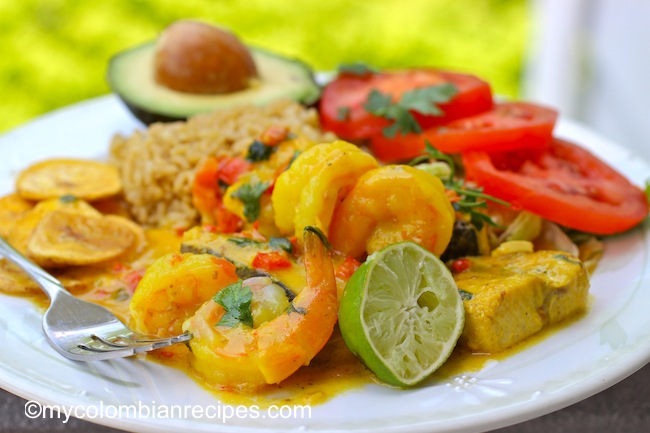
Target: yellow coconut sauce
{"type": "Point", "coordinates": [333, 371]}
{"type": "Point", "coordinates": [464, 361]}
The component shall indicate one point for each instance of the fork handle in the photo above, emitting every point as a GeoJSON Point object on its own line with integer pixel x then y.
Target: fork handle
{"type": "Point", "coordinates": [47, 282]}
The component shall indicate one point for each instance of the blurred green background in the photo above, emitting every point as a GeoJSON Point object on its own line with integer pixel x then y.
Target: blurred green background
{"type": "Point", "coordinates": [54, 52]}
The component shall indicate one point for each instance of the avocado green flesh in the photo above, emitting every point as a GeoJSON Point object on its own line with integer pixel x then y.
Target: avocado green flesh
{"type": "Point", "coordinates": [131, 76]}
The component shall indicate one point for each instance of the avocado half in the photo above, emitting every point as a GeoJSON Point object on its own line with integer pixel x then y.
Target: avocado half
{"type": "Point", "coordinates": [131, 77]}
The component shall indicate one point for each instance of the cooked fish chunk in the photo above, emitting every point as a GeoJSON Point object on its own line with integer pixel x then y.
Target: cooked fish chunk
{"type": "Point", "coordinates": [513, 296]}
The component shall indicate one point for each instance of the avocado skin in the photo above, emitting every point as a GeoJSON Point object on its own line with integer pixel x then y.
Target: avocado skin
{"type": "Point", "coordinates": [309, 96]}
{"type": "Point", "coordinates": [148, 117]}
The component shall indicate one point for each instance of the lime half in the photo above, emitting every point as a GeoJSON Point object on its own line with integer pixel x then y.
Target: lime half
{"type": "Point", "coordinates": [401, 313]}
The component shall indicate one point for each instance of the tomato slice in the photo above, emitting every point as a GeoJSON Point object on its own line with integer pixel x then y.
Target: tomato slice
{"type": "Point", "coordinates": [342, 100]}
{"type": "Point", "coordinates": [563, 183]}
{"type": "Point", "coordinates": [509, 126]}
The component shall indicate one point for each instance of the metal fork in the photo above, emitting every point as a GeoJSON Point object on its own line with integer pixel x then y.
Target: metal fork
{"type": "Point", "coordinates": [80, 330]}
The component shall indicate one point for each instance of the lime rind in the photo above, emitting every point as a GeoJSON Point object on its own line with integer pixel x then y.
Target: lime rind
{"type": "Point", "coordinates": [401, 313]}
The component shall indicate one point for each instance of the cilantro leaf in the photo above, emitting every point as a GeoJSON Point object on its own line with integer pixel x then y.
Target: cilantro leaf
{"type": "Point", "coordinates": [259, 151]}
{"type": "Point", "coordinates": [250, 195]}
{"type": "Point", "coordinates": [422, 100]}
{"type": "Point", "coordinates": [404, 123]}
{"type": "Point", "coordinates": [276, 243]}
{"type": "Point", "coordinates": [343, 113]}
{"type": "Point", "coordinates": [357, 68]}
{"type": "Point", "coordinates": [236, 300]}
{"type": "Point", "coordinates": [244, 242]}
{"type": "Point", "coordinates": [282, 244]}
{"type": "Point", "coordinates": [378, 103]}
{"type": "Point", "coordinates": [296, 154]}
{"type": "Point", "coordinates": [68, 198]}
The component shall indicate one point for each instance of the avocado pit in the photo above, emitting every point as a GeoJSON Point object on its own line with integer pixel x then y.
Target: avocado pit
{"type": "Point", "coordinates": [195, 57]}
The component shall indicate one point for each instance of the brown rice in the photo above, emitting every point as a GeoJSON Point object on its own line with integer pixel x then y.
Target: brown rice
{"type": "Point", "coordinates": [157, 165]}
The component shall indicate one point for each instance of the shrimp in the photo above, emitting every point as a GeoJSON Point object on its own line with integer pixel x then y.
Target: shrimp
{"type": "Point", "coordinates": [172, 289]}
{"type": "Point", "coordinates": [269, 352]}
{"type": "Point", "coordinates": [306, 194]}
{"type": "Point", "coordinates": [392, 204]}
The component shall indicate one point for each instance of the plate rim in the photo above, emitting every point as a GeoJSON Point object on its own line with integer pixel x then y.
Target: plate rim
{"type": "Point", "coordinates": [579, 391]}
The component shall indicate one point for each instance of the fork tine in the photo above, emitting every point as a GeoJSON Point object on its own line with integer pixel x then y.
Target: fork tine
{"type": "Point", "coordinates": [130, 344]}
{"type": "Point", "coordinates": [109, 342]}
{"type": "Point", "coordinates": [126, 350]}
{"type": "Point", "coordinates": [179, 338]}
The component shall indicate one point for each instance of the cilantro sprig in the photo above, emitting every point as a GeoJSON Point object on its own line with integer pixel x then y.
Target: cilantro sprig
{"type": "Point", "coordinates": [343, 113]}
{"type": "Point", "coordinates": [236, 300]}
{"type": "Point", "coordinates": [250, 194]}
{"type": "Point", "coordinates": [281, 244]}
{"type": "Point", "coordinates": [357, 68]}
{"type": "Point", "coordinates": [259, 151]}
{"type": "Point", "coordinates": [245, 242]}
{"type": "Point", "coordinates": [275, 243]}
{"type": "Point", "coordinates": [471, 199]}
{"type": "Point", "coordinates": [422, 100]}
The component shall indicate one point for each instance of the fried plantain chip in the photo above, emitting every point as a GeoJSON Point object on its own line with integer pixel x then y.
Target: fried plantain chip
{"type": "Point", "coordinates": [22, 229]}
{"type": "Point", "coordinates": [14, 281]}
{"type": "Point", "coordinates": [12, 208]}
{"type": "Point", "coordinates": [65, 237]}
{"type": "Point", "coordinates": [112, 206]}
{"type": "Point", "coordinates": [139, 237]}
{"type": "Point", "coordinates": [87, 180]}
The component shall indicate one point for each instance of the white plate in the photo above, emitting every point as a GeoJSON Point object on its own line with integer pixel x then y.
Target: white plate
{"type": "Point", "coordinates": [604, 347]}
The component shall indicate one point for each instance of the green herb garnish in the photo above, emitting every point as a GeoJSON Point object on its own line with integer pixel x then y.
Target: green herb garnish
{"type": "Point", "coordinates": [357, 68]}
{"type": "Point", "coordinates": [259, 151]}
{"type": "Point", "coordinates": [236, 300]}
{"type": "Point", "coordinates": [422, 100]}
{"type": "Point", "coordinates": [67, 198]}
{"type": "Point", "coordinates": [250, 195]}
{"type": "Point", "coordinates": [245, 242]}
{"type": "Point", "coordinates": [343, 113]}
{"type": "Point", "coordinates": [281, 244]}
{"type": "Point", "coordinates": [296, 154]}
{"type": "Point", "coordinates": [567, 259]}
{"type": "Point", "coordinates": [470, 199]}
{"type": "Point", "coordinates": [121, 295]}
